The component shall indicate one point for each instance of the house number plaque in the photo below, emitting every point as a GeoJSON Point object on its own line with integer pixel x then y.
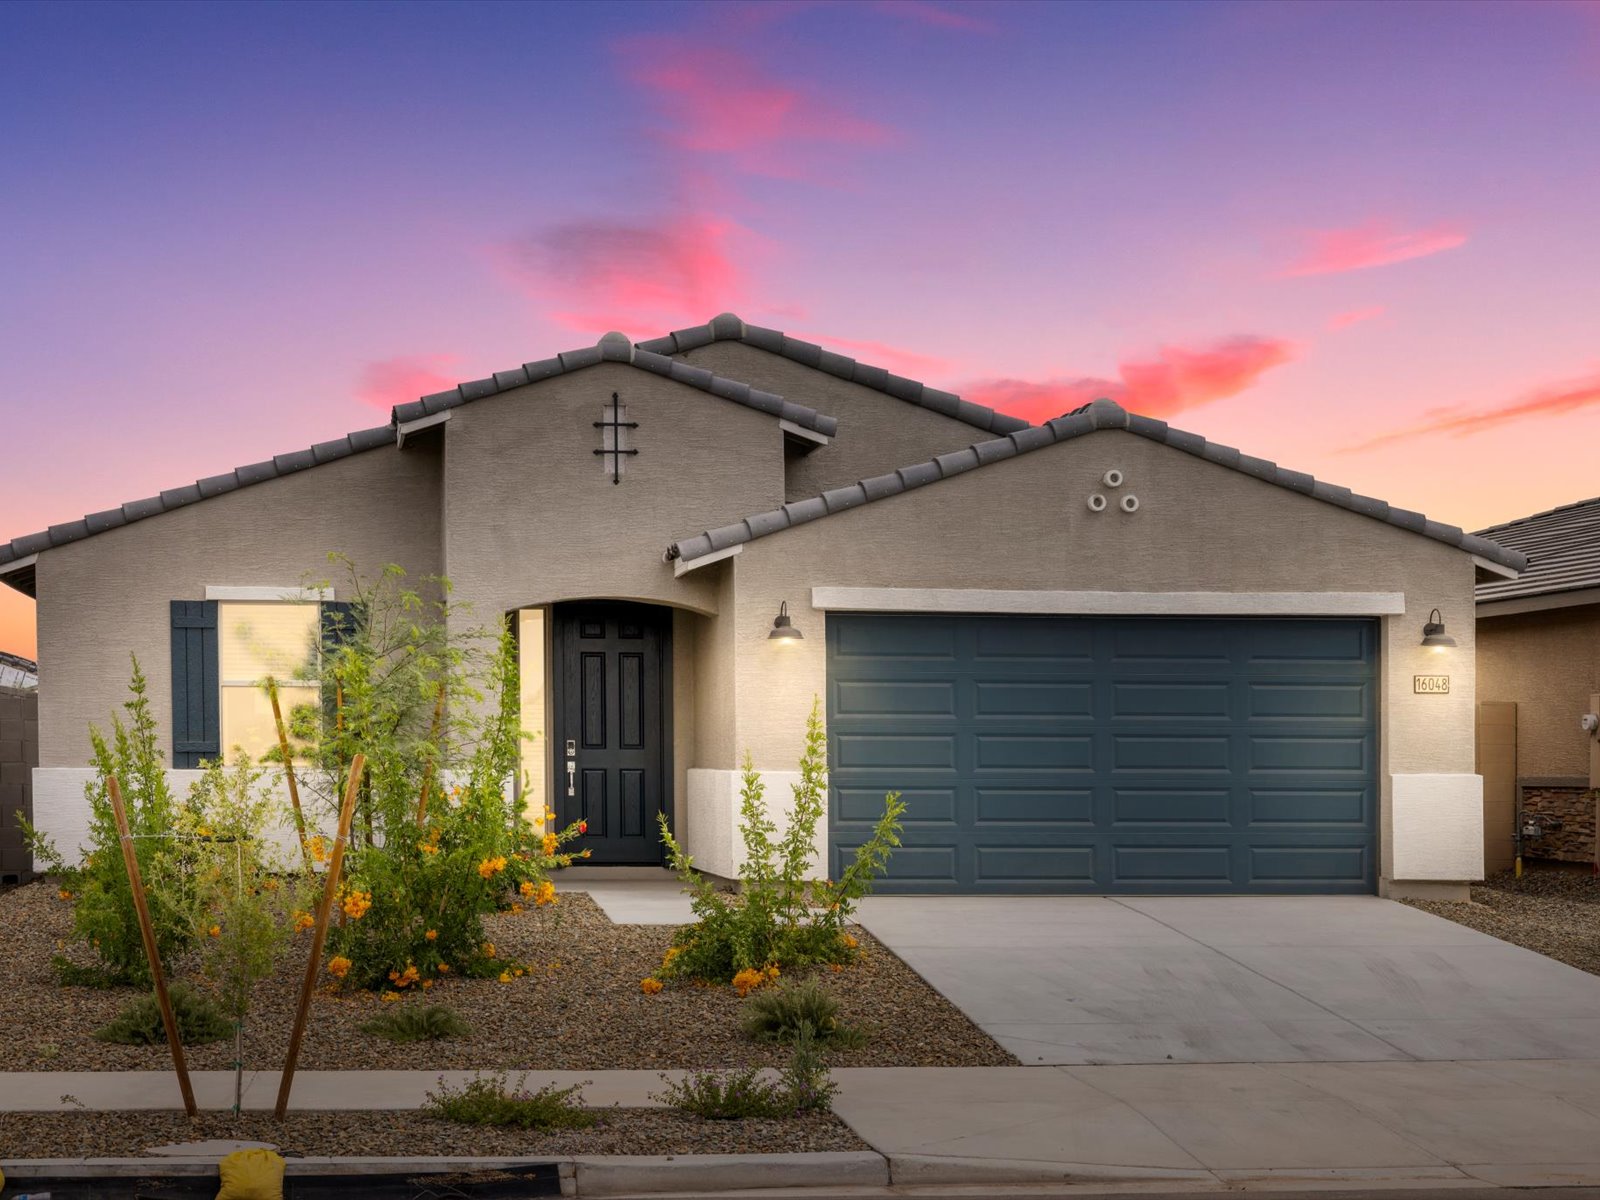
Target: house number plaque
{"type": "Point", "coordinates": [1430, 685]}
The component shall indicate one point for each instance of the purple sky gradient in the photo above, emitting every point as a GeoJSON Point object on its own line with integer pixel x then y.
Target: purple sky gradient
{"type": "Point", "coordinates": [233, 230]}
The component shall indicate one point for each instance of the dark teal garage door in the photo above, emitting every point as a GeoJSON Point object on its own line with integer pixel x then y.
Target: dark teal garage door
{"type": "Point", "coordinates": [1056, 754]}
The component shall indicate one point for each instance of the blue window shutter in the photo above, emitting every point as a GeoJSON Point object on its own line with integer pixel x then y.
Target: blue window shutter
{"type": "Point", "coordinates": [196, 690]}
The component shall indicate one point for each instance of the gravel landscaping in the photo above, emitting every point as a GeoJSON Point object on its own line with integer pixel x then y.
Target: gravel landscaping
{"type": "Point", "coordinates": [578, 1008]}
{"type": "Point", "coordinates": [1554, 912]}
{"type": "Point", "coordinates": [361, 1134]}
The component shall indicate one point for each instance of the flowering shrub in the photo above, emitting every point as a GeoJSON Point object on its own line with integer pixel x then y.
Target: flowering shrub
{"type": "Point", "coordinates": [781, 917]}
{"type": "Point", "coordinates": [432, 711]}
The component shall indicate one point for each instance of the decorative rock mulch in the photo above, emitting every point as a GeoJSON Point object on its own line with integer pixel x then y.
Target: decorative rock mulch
{"type": "Point", "coordinates": [362, 1134]}
{"type": "Point", "coordinates": [1554, 912]}
{"type": "Point", "coordinates": [579, 1007]}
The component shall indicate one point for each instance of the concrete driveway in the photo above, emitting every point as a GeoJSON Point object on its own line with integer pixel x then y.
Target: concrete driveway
{"type": "Point", "coordinates": [1096, 980]}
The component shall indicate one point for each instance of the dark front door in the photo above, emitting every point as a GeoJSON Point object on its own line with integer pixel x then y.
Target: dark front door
{"type": "Point", "coordinates": [611, 759]}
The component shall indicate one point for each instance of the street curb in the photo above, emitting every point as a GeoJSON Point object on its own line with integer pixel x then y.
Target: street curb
{"type": "Point", "coordinates": [928, 1169]}
{"type": "Point", "coordinates": [634, 1174]}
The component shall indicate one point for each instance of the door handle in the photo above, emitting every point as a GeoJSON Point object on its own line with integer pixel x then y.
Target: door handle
{"type": "Point", "coordinates": [572, 778]}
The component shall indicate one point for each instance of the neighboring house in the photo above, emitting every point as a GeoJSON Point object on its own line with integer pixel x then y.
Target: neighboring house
{"type": "Point", "coordinates": [17, 673]}
{"type": "Point", "coordinates": [1538, 675]}
{"type": "Point", "coordinates": [1099, 655]}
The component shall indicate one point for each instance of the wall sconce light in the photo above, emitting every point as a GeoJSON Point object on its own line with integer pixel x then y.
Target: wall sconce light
{"type": "Point", "coordinates": [1433, 634]}
{"type": "Point", "coordinates": [783, 629]}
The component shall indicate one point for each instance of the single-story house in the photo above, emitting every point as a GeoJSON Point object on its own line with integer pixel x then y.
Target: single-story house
{"type": "Point", "coordinates": [1096, 655]}
{"type": "Point", "coordinates": [1538, 679]}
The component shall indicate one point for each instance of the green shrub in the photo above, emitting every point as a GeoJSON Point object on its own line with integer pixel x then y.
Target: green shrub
{"type": "Point", "coordinates": [433, 1023]}
{"type": "Point", "coordinates": [779, 1014]}
{"type": "Point", "coordinates": [487, 1100]}
{"type": "Point", "coordinates": [804, 1086]}
{"type": "Point", "coordinates": [780, 916]}
{"type": "Point", "coordinates": [139, 1023]}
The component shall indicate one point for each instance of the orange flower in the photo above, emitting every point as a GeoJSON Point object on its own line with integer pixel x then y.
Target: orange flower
{"type": "Point", "coordinates": [651, 986]}
{"type": "Point", "coordinates": [551, 841]}
{"type": "Point", "coordinates": [64, 894]}
{"type": "Point", "coordinates": [505, 976]}
{"type": "Point", "coordinates": [489, 950]}
{"type": "Point", "coordinates": [527, 887]}
{"type": "Point", "coordinates": [303, 921]}
{"type": "Point", "coordinates": [338, 966]}
{"type": "Point", "coordinates": [215, 931]}
{"type": "Point", "coordinates": [356, 904]}
{"type": "Point", "coordinates": [850, 942]}
{"type": "Point", "coordinates": [772, 970]}
{"type": "Point", "coordinates": [389, 997]}
{"type": "Point", "coordinates": [319, 848]}
{"type": "Point", "coordinates": [432, 935]}
{"type": "Point", "coordinates": [748, 980]}
{"type": "Point", "coordinates": [546, 894]}
{"type": "Point", "coordinates": [426, 984]}
{"type": "Point", "coordinates": [490, 867]}
{"type": "Point", "coordinates": [443, 968]}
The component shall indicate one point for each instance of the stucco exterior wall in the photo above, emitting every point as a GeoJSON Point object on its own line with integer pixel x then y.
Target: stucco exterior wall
{"type": "Point", "coordinates": [108, 595]}
{"type": "Point", "coordinates": [1548, 663]}
{"type": "Point", "coordinates": [1024, 524]}
{"type": "Point", "coordinates": [534, 518]}
{"type": "Point", "coordinates": [877, 433]}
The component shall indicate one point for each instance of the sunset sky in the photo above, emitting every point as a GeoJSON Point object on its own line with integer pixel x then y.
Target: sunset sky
{"type": "Point", "coordinates": [1362, 240]}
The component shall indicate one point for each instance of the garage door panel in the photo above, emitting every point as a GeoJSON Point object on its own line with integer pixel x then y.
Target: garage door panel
{"type": "Point", "coordinates": [1171, 752]}
{"type": "Point", "coordinates": [1297, 700]}
{"type": "Point", "coordinates": [1098, 755]}
{"type": "Point", "coordinates": [1042, 806]}
{"type": "Point", "coordinates": [1169, 699]}
{"type": "Point", "coordinates": [1031, 752]}
{"type": "Point", "coordinates": [1032, 698]}
{"type": "Point", "coordinates": [1308, 806]}
{"type": "Point", "coordinates": [1171, 806]}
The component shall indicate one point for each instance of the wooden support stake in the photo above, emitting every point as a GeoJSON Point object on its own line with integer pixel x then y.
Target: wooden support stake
{"type": "Point", "coordinates": [427, 771]}
{"type": "Point", "coordinates": [319, 936]}
{"type": "Point", "coordinates": [288, 773]}
{"type": "Point", "coordinates": [148, 933]}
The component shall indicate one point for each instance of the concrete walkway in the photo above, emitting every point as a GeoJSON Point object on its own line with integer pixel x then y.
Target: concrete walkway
{"type": "Point", "coordinates": [1517, 1123]}
{"type": "Point", "coordinates": [1087, 980]}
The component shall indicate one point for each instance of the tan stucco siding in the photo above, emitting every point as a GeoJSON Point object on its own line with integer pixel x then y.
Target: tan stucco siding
{"type": "Point", "coordinates": [108, 595]}
{"type": "Point", "coordinates": [532, 516]}
{"type": "Point", "coordinates": [1024, 524]}
{"type": "Point", "coordinates": [877, 433]}
{"type": "Point", "coordinates": [1549, 664]}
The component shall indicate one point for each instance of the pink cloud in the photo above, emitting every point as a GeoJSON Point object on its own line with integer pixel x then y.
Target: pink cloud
{"type": "Point", "coordinates": [1375, 244]}
{"type": "Point", "coordinates": [924, 13]}
{"type": "Point", "coordinates": [404, 378]}
{"type": "Point", "coordinates": [1174, 379]}
{"type": "Point", "coordinates": [878, 354]}
{"type": "Point", "coordinates": [1355, 316]}
{"type": "Point", "coordinates": [1566, 398]}
{"type": "Point", "coordinates": [597, 275]}
{"type": "Point", "coordinates": [712, 101]}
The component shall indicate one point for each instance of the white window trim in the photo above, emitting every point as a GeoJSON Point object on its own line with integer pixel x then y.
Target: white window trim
{"type": "Point", "coordinates": [237, 593]}
{"type": "Point", "coordinates": [1110, 604]}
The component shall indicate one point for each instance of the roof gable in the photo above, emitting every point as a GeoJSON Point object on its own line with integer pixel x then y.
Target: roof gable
{"type": "Point", "coordinates": [728, 327]}
{"type": "Point", "coordinates": [614, 347]}
{"type": "Point", "coordinates": [1102, 414]}
{"type": "Point", "coordinates": [1562, 547]}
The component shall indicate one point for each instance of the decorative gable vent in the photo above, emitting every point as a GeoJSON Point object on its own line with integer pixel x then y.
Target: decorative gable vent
{"type": "Point", "coordinates": [614, 439]}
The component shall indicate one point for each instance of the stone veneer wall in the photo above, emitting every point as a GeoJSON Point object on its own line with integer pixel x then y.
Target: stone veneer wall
{"type": "Point", "coordinates": [19, 755]}
{"type": "Point", "coordinates": [1574, 807]}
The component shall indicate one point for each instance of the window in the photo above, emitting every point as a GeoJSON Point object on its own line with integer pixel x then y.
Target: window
{"type": "Point", "coordinates": [257, 640]}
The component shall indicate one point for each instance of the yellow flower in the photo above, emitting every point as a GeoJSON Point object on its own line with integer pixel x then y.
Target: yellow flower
{"type": "Point", "coordinates": [748, 980]}
{"type": "Point", "coordinates": [319, 848]}
{"type": "Point", "coordinates": [426, 984]}
{"type": "Point", "coordinates": [549, 814]}
{"type": "Point", "coordinates": [303, 921]}
{"type": "Point", "coordinates": [215, 931]}
{"type": "Point", "coordinates": [205, 831]}
{"type": "Point", "coordinates": [356, 904]}
{"type": "Point", "coordinates": [505, 976]}
{"type": "Point", "coordinates": [443, 968]}
{"type": "Point", "coordinates": [550, 844]}
{"type": "Point", "coordinates": [515, 909]}
{"type": "Point", "coordinates": [270, 884]}
{"type": "Point", "coordinates": [489, 950]}
{"type": "Point", "coordinates": [850, 942]}
{"type": "Point", "coordinates": [432, 935]}
{"type": "Point", "coordinates": [389, 997]}
{"type": "Point", "coordinates": [546, 894]}
{"type": "Point", "coordinates": [527, 887]}
{"type": "Point", "coordinates": [651, 986]}
{"type": "Point", "coordinates": [672, 953]}
{"type": "Point", "coordinates": [338, 966]}
{"type": "Point", "coordinates": [772, 970]}
{"type": "Point", "coordinates": [427, 847]}
{"type": "Point", "coordinates": [490, 867]}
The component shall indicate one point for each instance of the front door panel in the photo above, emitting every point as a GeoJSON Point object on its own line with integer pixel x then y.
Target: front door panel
{"type": "Point", "coordinates": [610, 744]}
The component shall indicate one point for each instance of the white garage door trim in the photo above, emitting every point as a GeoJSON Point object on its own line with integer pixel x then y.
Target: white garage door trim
{"type": "Point", "coordinates": [1110, 604]}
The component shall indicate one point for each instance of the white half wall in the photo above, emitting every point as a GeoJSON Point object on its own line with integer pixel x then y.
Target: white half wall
{"type": "Point", "coordinates": [714, 840]}
{"type": "Point", "coordinates": [1437, 832]}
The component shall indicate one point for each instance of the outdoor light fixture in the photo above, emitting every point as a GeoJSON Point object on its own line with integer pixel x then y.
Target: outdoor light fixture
{"type": "Point", "coordinates": [783, 629]}
{"type": "Point", "coordinates": [1433, 634]}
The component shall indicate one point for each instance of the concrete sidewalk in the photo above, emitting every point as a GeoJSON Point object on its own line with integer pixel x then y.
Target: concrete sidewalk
{"type": "Point", "coordinates": [1516, 1123]}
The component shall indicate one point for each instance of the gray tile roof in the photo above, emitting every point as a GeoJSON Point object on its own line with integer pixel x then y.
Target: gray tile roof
{"type": "Point", "coordinates": [1102, 414]}
{"type": "Point", "coordinates": [614, 347]}
{"type": "Point", "coordinates": [1563, 549]}
{"type": "Point", "coordinates": [729, 328]}
{"type": "Point", "coordinates": [204, 489]}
